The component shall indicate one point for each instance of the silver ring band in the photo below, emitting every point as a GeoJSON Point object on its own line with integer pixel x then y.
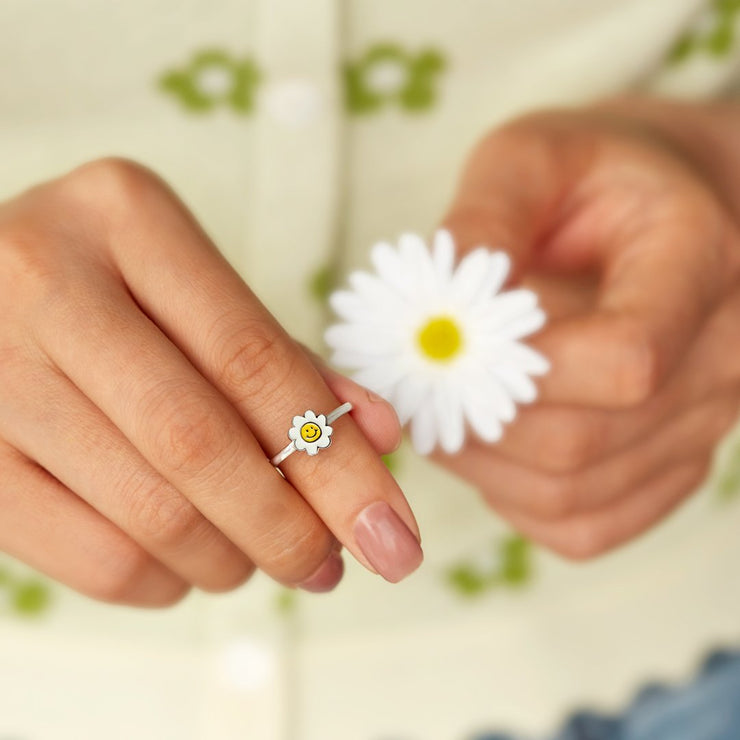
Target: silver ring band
{"type": "Point", "coordinates": [310, 433]}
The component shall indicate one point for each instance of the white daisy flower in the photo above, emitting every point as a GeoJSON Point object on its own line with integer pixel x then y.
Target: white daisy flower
{"type": "Point", "coordinates": [310, 432]}
{"type": "Point", "coordinates": [440, 342]}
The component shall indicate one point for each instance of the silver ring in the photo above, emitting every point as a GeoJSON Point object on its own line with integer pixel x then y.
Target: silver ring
{"type": "Point", "coordinates": [310, 433]}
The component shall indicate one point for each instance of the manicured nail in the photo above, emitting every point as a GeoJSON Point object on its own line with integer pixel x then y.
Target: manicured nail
{"type": "Point", "coordinates": [387, 542]}
{"type": "Point", "coordinates": [327, 576]}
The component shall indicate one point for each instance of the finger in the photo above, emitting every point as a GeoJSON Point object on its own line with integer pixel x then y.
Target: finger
{"type": "Point", "coordinates": [538, 189]}
{"type": "Point", "coordinates": [557, 496]}
{"type": "Point", "coordinates": [235, 343]}
{"type": "Point", "coordinates": [187, 432]}
{"type": "Point", "coordinates": [104, 469]}
{"type": "Point", "coordinates": [374, 416]}
{"type": "Point", "coordinates": [46, 526]}
{"type": "Point", "coordinates": [589, 534]}
{"type": "Point", "coordinates": [512, 188]}
{"type": "Point", "coordinates": [620, 354]}
{"type": "Point", "coordinates": [561, 438]}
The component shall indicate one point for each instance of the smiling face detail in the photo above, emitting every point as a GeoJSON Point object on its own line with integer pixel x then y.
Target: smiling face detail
{"type": "Point", "coordinates": [310, 431]}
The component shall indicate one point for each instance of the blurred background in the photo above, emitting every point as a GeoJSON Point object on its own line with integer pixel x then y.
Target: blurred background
{"type": "Point", "coordinates": [299, 134]}
{"type": "Point", "coordinates": [491, 633]}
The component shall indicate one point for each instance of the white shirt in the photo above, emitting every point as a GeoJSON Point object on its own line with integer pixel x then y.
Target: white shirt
{"type": "Point", "coordinates": [289, 185]}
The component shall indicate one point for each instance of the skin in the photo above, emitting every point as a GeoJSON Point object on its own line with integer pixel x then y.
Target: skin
{"type": "Point", "coordinates": [142, 384]}
{"type": "Point", "coordinates": [142, 387]}
{"type": "Point", "coordinates": [624, 218]}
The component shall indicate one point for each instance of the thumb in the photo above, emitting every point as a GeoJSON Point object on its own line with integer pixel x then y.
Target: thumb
{"type": "Point", "coordinates": [662, 261]}
{"type": "Point", "coordinates": [512, 188]}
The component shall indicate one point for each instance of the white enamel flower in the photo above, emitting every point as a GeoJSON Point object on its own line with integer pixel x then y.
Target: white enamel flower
{"type": "Point", "coordinates": [440, 342]}
{"type": "Point", "coordinates": [310, 432]}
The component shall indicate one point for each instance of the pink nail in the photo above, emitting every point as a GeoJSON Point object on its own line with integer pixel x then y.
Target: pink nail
{"type": "Point", "coordinates": [327, 576]}
{"type": "Point", "coordinates": [387, 542]}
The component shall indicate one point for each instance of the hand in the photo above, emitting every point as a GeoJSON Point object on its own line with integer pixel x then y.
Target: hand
{"type": "Point", "coordinates": [143, 388]}
{"type": "Point", "coordinates": [617, 217]}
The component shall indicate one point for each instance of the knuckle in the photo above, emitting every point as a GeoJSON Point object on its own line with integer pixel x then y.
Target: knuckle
{"type": "Point", "coordinates": [113, 180]}
{"type": "Point", "coordinates": [294, 556]}
{"type": "Point", "coordinates": [120, 569]}
{"type": "Point", "coordinates": [704, 468]}
{"type": "Point", "coordinates": [581, 541]}
{"type": "Point", "coordinates": [726, 420]}
{"type": "Point", "coordinates": [189, 440]}
{"type": "Point", "coordinates": [559, 497]}
{"type": "Point", "coordinates": [257, 364]}
{"type": "Point", "coordinates": [637, 365]}
{"type": "Point", "coordinates": [222, 580]}
{"type": "Point", "coordinates": [571, 445]}
{"type": "Point", "coordinates": [164, 518]}
{"type": "Point", "coordinates": [525, 130]}
{"type": "Point", "coordinates": [28, 273]}
{"type": "Point", "coordinates": [176, 592]}
{"type": "Point", "coordinates": [537, 136]}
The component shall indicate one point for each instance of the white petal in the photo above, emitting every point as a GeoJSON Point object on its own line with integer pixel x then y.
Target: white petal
{"type": "Point", "coordinates": [417, 262]}
{"type": "Point", "coordinates": [322, 442]}
{"type": "Point", "coordinates": [524, 325]}
{"type": "Point", "coordinates": [522, 357]}
{"type": "Point", "coordinates": [500, 400]}
{"type": "Point", "coordinates": [380, 377]}
{"type": "Point", "coordinates": [350, 307]}
{"type": "Point", "coordinates": [470, 276]}
{"type": "Point", "coordinates": [423, 429]}
{"type": "Point", "coordinates": [372, 340]}
{"type": "Point", "coordinates": [321, 421]}
{"type": "Point", "coordinates": [497, 268]}
{"type": "Point", "coordinates": [449, 417]}
{"type": "Point", "coordinates": [293, 433]}
{"type": "Point", "coordinates": [388, 264]}
{"type": "Point", "coordinates": [374, 292]}
{"type": "Point", "coordinates": [499, 265]}
{"type": "Point", "coordinates": [409, 393]}
{"type": "Point", "coordinates": [480, 382]}
{"type": "Point", "coordinates": [505, 308]}
{"type": "Point", "coordinates": [312, 449]}
{"type": "Point", "coordinates": [299, 421]}
{"type": "Point", "coordinates": [310, 415]}
{"type": "Point", "coordinates": [518, 384]}
{"type": "Point", "coordinates": [482, 417]}
{"type": "Point", "coordinates": [350, 358]}
{"type": "Point", "coordinates": [443, 256]}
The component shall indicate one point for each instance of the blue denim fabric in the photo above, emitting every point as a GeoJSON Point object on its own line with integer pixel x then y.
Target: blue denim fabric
{"type": "Point", "coordinates": [707, 708]}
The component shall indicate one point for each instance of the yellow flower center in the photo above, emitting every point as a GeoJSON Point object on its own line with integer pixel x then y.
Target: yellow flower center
{"type": "Point", "coordinates": [440, 339]}
{"type": "Point", "coordinates": [310, 432]}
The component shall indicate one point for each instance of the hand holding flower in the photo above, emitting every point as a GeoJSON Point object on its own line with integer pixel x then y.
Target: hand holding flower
{"type": "Point", "coordinates": [624, 220]}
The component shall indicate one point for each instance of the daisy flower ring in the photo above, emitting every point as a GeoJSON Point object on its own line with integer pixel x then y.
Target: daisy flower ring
{"type": "Point", "coordinates": [310, 432]}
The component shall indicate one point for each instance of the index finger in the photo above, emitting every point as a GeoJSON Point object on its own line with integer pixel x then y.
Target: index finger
{"type": "Point", "coordinates": [181, 281]}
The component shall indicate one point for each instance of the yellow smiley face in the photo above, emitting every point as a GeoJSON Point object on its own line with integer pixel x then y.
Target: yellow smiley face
{"type": "Point", "coordinates": [310, 432]}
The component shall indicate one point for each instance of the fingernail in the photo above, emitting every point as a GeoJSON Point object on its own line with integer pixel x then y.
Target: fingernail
{"type": "Point", "coordinates": [387, 542]}
{"type": "Point", "coordinates": [374, 397]}
{"type": "Point", "coordinates": [327, 576]}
